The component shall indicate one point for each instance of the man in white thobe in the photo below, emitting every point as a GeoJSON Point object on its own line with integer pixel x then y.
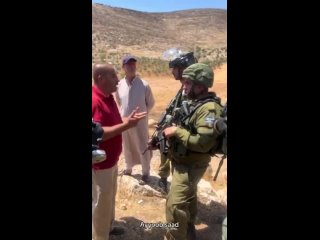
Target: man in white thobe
{"type": "Point", "coordinates": [132, 92]}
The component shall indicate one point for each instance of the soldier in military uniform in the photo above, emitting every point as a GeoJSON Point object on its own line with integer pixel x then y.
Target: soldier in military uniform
{"type": "Point", "coordinates": [192, 144]}
{"type": "Point", "coordinates": [177, 65]}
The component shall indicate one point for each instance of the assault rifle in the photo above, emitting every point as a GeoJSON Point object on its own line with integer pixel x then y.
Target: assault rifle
{"type": "Point", "coordinates": [172, 114]}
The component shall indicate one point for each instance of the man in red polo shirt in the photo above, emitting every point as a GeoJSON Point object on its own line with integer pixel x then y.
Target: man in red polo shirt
{"type": "Point", "coordinates": [104, 174]}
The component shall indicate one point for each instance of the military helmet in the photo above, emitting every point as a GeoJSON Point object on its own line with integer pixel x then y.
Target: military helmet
{"type": "Point", "coordinates": [183, 61]}
{"type": "Point", "coordinates": [199, 73]}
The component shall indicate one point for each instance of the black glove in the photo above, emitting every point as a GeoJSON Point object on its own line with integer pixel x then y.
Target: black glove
{"type": "Point", "coordinates": [221, 125]}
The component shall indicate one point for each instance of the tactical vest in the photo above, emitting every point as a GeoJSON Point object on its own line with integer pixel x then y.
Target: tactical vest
{"type": "Point", "coordinates": [184, 123]}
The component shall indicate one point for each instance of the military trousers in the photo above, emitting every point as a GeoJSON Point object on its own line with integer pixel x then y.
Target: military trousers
{"type": "Point", "coordinates": [164, 168]}
{"type": "Point", "coordinates": [181, 204]}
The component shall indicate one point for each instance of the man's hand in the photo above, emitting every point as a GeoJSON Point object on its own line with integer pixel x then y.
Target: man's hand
{"type": "Point", "coordinates": [170, 131]}
{"type": "Point", "coordinates": [133, 119]}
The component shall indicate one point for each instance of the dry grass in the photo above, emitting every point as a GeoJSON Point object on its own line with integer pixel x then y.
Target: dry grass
{"type": "Point", "coordinates": [119, 29]}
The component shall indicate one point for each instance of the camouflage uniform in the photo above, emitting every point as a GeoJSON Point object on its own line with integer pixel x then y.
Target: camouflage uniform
{"type": "Point", "coordinates": [164, 168]}
{"type": "Point", "coordinates": [190, 149]}
{"type": "Point", "coordinates": [182, 62]}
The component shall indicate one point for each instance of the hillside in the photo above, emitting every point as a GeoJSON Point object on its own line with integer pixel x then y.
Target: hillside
{"type": "Point", "coordinates": [118, 31]}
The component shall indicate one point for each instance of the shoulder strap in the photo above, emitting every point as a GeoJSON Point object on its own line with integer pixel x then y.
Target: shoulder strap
{"type": "Point", "coordinates": [178, 98]}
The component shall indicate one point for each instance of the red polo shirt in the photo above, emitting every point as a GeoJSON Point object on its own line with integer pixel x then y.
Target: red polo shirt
{"type": "Point", "coordinates": [105, 111]}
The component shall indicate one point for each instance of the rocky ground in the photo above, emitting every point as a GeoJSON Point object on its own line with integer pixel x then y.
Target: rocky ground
{"type": "Point", "coordinates": [136, 204]}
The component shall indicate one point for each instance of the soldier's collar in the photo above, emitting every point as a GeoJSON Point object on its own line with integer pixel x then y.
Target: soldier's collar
{"type": "Point", "coordinates": [209, 95]}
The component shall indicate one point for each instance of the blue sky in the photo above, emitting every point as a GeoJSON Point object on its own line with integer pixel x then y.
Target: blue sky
{"type": "Point", "coordinates": [164, 5]}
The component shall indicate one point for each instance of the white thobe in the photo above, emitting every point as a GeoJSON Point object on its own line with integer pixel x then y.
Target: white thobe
{"type": "Point", "coordinates": [135, 140]}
